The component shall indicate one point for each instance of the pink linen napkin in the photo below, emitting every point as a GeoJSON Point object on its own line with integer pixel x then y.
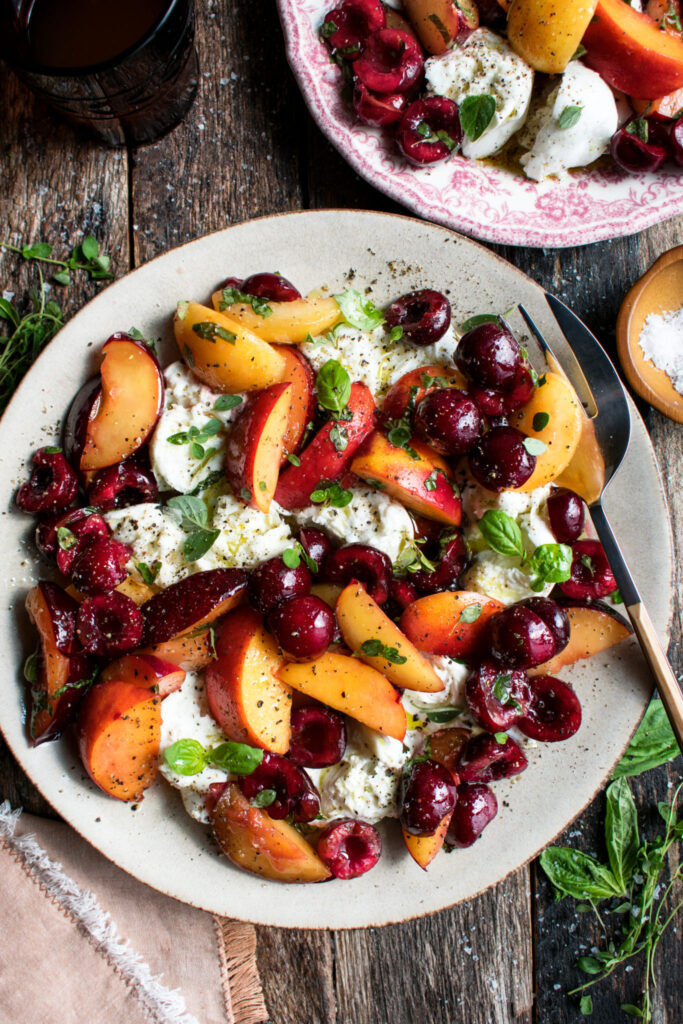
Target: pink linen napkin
{"type": "Point", "coordinates": [83, 942]}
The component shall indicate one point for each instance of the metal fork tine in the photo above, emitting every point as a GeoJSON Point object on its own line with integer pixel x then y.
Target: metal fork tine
{"type": "Point", "coordinates": [570, 366]}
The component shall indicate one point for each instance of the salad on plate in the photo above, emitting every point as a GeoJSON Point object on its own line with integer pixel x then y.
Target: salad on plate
{"type": "Point", "coordinates": [321, 571]}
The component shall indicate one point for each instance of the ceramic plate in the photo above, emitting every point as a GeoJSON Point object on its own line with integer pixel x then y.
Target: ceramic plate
{"type": "Point", "coordinates": [484, 201]}
{"type": "Point", "coordinates": [157, 842]}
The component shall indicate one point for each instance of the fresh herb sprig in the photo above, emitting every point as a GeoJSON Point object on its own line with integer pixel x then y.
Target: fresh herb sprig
{"type": "Point", "coordinates": [195, 521]}
{"type": "Point", "coordinates": [376, 648]}
{"type": "Point", "coordinates": [190, 757]}
{"type": "Point", "coordinates": [86, 256]}
{"type": "Point", "coordinates": [548, 563]}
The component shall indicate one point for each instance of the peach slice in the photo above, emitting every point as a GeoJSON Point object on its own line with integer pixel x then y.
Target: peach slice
{"type": "Point", "coordinates": [593, 628]}
{"type": "Point", "coordinates": [452, 622]}
{"type": "Point", "coordinates": [248, 701]}
{"type": "Point", "coordinates": [298, 373]}
{"type": "Point", "coordinates": [255, 444]}
{"type": "Point", "coordinates": [628, 49]}
{"type": "Point", "coordinates": [442, 23]}
{"type": "Point", "coordinates": [558, 417]}
{"type": "Point", "coordinates": [423, 849]}
{"type": "Point", "coordinates": [190, 651]}
{"type": "Point", "coordinates": [288, 323]}
{"type": "Point", "coordinates": [664, 108]}
{"type": "Point", "coordinates": [258, 843]}
{"type": "Point", "coordinates": [61, 665]}
{"type": "Point", "coordinates": [119, 734]}
{"type": "Point", "coordinates": [361, 619]}
{"type": "Point", "coordinates": [223, 353]}
{"type": "Point", "coordinates": [126, 407]}
{"type": "Point", "coordinates": [546, 33]}
{"type": "Point", "coordinates": [413, 386]}
{"type": "Point", "coordinates": [347, 685]}
{"type": "Point", "coordinates": [163, 677]}
{"type": "Point", "coordinates": [423, 484]}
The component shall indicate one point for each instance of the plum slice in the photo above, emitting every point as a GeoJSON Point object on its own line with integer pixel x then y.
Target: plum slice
{"type": "Point", "coordinates": [191, 603]}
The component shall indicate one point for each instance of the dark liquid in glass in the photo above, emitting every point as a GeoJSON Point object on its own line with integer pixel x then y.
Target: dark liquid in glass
{"type": "Point", "coordinates": [124, 69]}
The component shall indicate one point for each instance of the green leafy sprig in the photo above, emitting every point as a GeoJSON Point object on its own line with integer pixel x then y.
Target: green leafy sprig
{"type": "Point", "coordinates": [86, 256]}
{"type": "Point", "coordinates": [548, 563]}
{"type": "Point", "coordinates": [190, 757]}
{"type": "Point", "coordinates": [195, 521]}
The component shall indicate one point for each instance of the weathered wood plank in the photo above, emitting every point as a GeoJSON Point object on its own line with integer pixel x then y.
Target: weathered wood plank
{"type": "Point", "coordinates": [297, 974]}
{"type": "Point", "coordinates": [56, 187]}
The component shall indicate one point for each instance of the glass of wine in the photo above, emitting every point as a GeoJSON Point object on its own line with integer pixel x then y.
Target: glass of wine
{"type": "Point", "coordinates": [127, 71]}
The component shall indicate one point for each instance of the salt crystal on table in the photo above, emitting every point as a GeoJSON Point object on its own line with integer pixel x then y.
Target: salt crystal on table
{"type": "Point", "coordinates": [661, 340]}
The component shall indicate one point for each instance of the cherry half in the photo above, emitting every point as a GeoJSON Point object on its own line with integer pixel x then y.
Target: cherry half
{"type": "Point", "coordinates": [349, 848]}
{"type": "Point", "coordinates": [427, 795]}
{"type": "Point", "coordinates": [390, 61]}
{"type": "Point", "coordinates": [291, 790]}
{"type": "Point", "coordinates": [475, 808]}
{"type": "Point", "coordinates": [429, 130]}
{"type": "Point", "coordinates": [318, 737]}
{"type": "Point", "coordinates": [53, 484]}
{"type": "Point", "coordinates": [591, 575]}
{"type": "Point", "coordinates": [423, 315]}
{"type": "Point", "coordinates": [554, 713]}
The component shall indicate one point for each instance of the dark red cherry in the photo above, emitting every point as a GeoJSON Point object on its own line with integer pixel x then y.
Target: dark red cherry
{"type": "Point", "coordinates": [429, 130]}
{"type": "Point", "coordinates": [232, 282]}
{"type": "Point", "coordinates": [475, 808]}
{"type": "Point", "coordinates": [484, 759]}
{"type": "Point", "coordinates": [294, 793]}
{"type": "Point", "coordinates": [448, 569]}
{"type": "Point", "coordinates": [445, 746]}
{"type": "Point", "coordinates": [304, 626]}
{"type": "Point", "coordinates": [554, 616]}
{"type": "Point", "coordinates": [499, 459]}
{"type": "Point", "coordinates": [360, 562]}
{"type": "Point", "coordinates": [47, 530]}
{"type": "Point", "coordinates": [634, 155]}
{"type": "Point", "coordinates": [427, 794]}
{"type": "Point", "coordinates": [349, 848]}
{"type": "Point", "coordinates": [424, 316]}
{"type": "Point", "coordinates": [490, 401]}
{"type": "Point", "coordinates": [109, 624]}
{"type": "Point", "coordinates": [100, 566]}
{"type": "Point", "coordinates": [346, 28]}
{"type": "Point", "coordinates": [127, 483]}
{"type": "Point", "coordinates": [450, 420]}
{"type": "Point", "coordinates": [377, 109]}
{"type": "Point", "coordinates": [73, 540]}
{"type": "Point", "coordinates": [390, 61]}
{"type": "Point", "coordinates": [272, 287]}
{"type": "Point", "coordinates": [520, 638]}
{"type": "Point", "coordinates": [497, 698]}
{"type": "Point", "coordinates": [489, 355]}
{"type": "Point", "coordinates": [402, 592]}
{"type": "Point", "coordinates": [53, 484]}
{"type": "Point", "coordinates": [272, 582]}
{"type": "Point", "coordinates": [567, 515]}
{"type": "Point", "coordinates": [591, 575]}
{"type": "Point", "coordinates": [318, 737]}
{"type": "Point", "coordinates": [521, 391]}
{"type": "Point", "coordinates": [316, 545]}
{"type": "Point", "coordinates": [554, 713]}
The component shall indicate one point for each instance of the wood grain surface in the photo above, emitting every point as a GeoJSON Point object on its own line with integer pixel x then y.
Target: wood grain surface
{"type": "Point", "coordinates": [249, 149]}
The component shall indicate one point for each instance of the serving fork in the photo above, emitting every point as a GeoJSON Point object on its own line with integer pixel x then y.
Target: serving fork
{"type": "Point", "coordinates": [602, 446]}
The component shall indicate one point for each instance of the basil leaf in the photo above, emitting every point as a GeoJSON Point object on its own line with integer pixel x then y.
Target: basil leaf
{"type": "Point", "coordinates": [291, 558]}
{"type": "Point", "coordinates": [359, 312]}
{"type": "Point", "coordinates": [192, 510]}
{"type": "Point", "coordinates": [339, 436]}
{"type": "Point", "coordinates": [333, 385]}
{"type": "Point", "coordinates": [66, 539]}
{"type": "Point", "coordinates": [540, 420]}
{"type": "Point", "coordinates": [331, 494]}
{"type": "Point", "coordinates": [294, 459]}
{"type": "Point", "coordinates": [569, 117]}
{"type": "Point", "coordinates": [237, 758]}
{"type": "Point", "coordinates": [550, 563]}
{"type": "Point", "coordinates": [577, 874]}
{"type": "Point", "coordinates": [198, 543]}
{"type": "Point", "coordinates": [476, 114]}
{"type": "Point", "coordinates": [186, 757]}
{"type": "Point", "coordinates": [232, 295]}
{"type": "Point", "coordinates": [653, 744]}
{"type": "Point", "coordinates": [265, 798]}
{"type": "Point", "coordinates": [621, 831]}
{"type": "Point", "coordinates": [442, 715]}
{"type": "Point", "coordinates": [396, 333]}
{"type": "Point", "coordinates": [471, 613]}
{"type": "Point", "coordinates": [31, 666]}
{"type": "Point", "coordinates": [225, 402]}
{"type": "Point", "coordinates": [209, 331]}
{"type": "Point", "coordinates": [374, 648]}
{"type": "Point", "coordinates": [502, 691]}
{"type": "Point", "coordinates": [501, 533]}
{"type": "Point", "coordinates": [480, 318]}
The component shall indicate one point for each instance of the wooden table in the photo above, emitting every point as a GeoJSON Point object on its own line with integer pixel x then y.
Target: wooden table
{"type": "Point", "coordinates": [248, 149]}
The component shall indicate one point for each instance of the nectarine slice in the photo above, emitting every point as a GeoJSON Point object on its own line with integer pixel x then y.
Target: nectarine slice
{"type": "Point", "coordinates": [119, 733]}
{"type": "Point", "coordinates": [546, 33]}
{"type": "Point", "coordinates": [298, 373]}
{"type": "Point", "coordinates": [288, 323]}
{"type": "Point", "coordinates": [190, 651]}
{"type": "Point", "coordinates": [439, 23]}
{"type": "Point", "coordinates": [163, 677]}
{"type": "Point", "coordinates": [422, 481]}
{"type": "Point", "coordinates": [592, 629]}
{"type": "Point", "coordinates": [423, 849]}
{"type": "Point", "coordinates": [127, 405]}
{"type": "Point", "coordinates": [191, 603]}
{"type": "Point", "coordinates": [361, 620]}
{"type": "Point", "coordinates": [253, 451]}
{"type": "Point", "coordinates": [258, 843]}
{"type": "Point", "coordinates": [629, 50]}
{"type": "Point", "coordinates": [348, 685]}
{"type": "Point", "coordinates": [555, 417]}
{"type": "Point", "coordinates": [451, 623]}
{"type": "Point", "coordinates": [246, 698]}
{"type": "Point", "coordinates": [223, 353]}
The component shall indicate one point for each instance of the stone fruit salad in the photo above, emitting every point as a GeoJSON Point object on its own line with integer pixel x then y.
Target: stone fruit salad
{"type": "Point", "coordinates": [321, 571]}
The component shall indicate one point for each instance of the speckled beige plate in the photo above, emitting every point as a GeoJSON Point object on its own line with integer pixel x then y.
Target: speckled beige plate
{"type": "Point", "coordinates": [158, 843]}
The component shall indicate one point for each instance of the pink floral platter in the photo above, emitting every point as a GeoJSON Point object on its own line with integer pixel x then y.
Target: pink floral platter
{"type": "Point", "coordinates": [486, 202]}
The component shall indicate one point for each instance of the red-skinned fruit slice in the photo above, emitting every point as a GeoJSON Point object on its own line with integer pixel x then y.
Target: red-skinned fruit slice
{"type": "Point", "coordinates": [127, 407]}
{"type": "Point", "coordinates": [255, 445]}
{"type": "Point", "coordinates": [119, 734]}
{"type": "Point", "coordinates": [593, 627]}
{"type": "Point", "coordinates": [453, 623]}
{"type": "Point", "coordinates": [163, 677]}
{"type": "Point", "coordinates": [320, 460]}
{"type": "Point", "coordinates": [254, 841]}
{"type": "Point", "coordinates": [298, 373]}
{"type": "Point", "coordinates": [412, 387]}
{"type": "Point", "coordinates": [61, 663]}
{"type": "Point", "coordinates": [196, 601]}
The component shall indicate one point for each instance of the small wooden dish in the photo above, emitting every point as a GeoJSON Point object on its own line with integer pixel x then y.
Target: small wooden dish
{"type": "Point", "coordinates": [660, 291]}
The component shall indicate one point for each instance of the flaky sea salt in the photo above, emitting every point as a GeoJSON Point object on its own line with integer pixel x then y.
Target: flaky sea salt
{"type": "Point", "coordinates": [661, 340]}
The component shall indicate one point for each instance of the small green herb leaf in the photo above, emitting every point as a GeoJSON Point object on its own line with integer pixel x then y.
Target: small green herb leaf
{"type": "Point", "coordinates": [291, 558]}
{"type": "Point", "coordinates": [534, 446]}
{"type": "Point", "coordinates": [229, 296]}
{"type": "Point", "coordinates": [569, 117]}
{"type": "Point", "coordinates": [471, 613]}
{"type": "Point", "coordinates": [339, 437]}
{"type": "Point", "coordinates": [148, 572]}
{"type": "Point", "coordinates": [237, 758]}
{"type": "Point", "coordinates": [500, 737]}
{"type": "Point", "coordinates": [31, 668]}
{"type": "Point", "coordinates": [186, 757]}
{"type": "Point", "coordinates": [440, 716]}
{"type": "Point", "coordinates": [396, 333]}
{"type": "Point", "coordinates": [226, 402]}
{"type": "Point", "coordinates": [376, 649]}
{"type": "Point", "coordinates": [480, 318]}
{"type": "Point", "coordinates": [66, 539]}
{"type": "Point", "coordinates": [476, 114]}
{"type": "Point", "coordinates": [540, 420]}
{"type": "Point", "coordinates": [333, 385]}
{"type": "Point", "coordinates": [331, 494]}
{"type": "Point", "coordinates": [294, 459]}
{"type": "Point", "coordinates": [359, 312]}
{"type": "Point", "coordinates": [550, 563]}
{"type": "Point", "coordinates": [264, 799]}
{"type": "Point", "coordinates": [501, 533]}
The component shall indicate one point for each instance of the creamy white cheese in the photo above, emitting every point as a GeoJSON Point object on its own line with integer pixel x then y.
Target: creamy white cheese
{"type": "Point", "coordinates": [154, 535]}
{"type": "Point", "coordinates": [370, 518]}
{"type": "Point", "coordinates": [554, 149]}
{"type": "Point", "coordinates": [187, 403]}
{"type": "Point", "coordinates": [484, 66]}
{"type": "Point", "coordinates": [247, 536]}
